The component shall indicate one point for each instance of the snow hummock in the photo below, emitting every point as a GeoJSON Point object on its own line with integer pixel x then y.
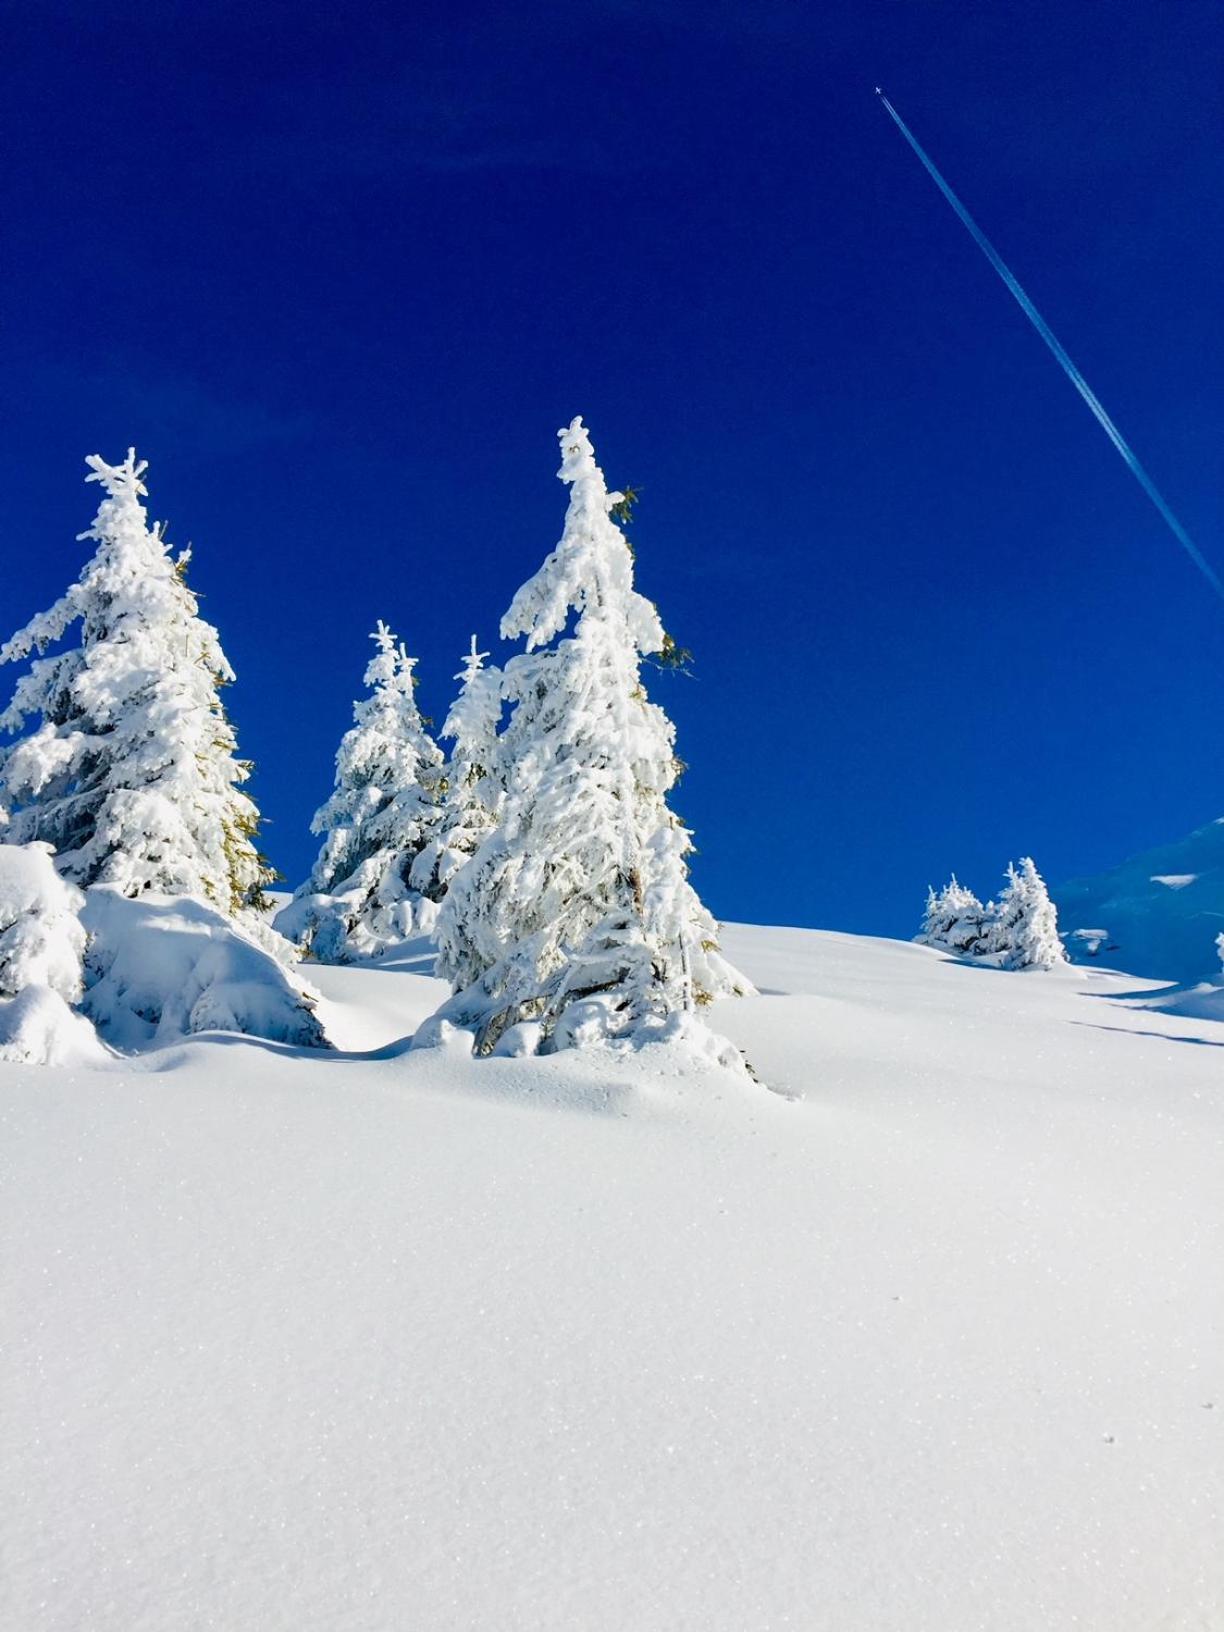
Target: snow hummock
{"type": "Point", "coordinates": [164, 967]}
{"type": "Point", "coordinates": [928, 1341]}
{"type": "Point", "coordinates": [37, 1027]}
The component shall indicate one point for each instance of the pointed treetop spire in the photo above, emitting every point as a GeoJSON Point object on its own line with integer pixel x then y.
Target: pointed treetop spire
{"type": "Point", "coordinates": [473, 661]}
{"type": "Point", "coordinates": [118, 479]}
{"type": "Point", "coordinates": [391, 662]}
{"type": "Point", "coordinates": [578, 463]}
{"type": "Point", "coordinates": [121, 509]}
{"type": "Point", "coordinates": [591, 570]}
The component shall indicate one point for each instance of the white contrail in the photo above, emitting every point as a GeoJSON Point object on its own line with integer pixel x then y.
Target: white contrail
{"type": "Point", "coordinates": [1051, 339]}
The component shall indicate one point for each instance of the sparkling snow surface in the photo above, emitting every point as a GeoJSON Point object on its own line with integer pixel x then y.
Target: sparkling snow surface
{"type": "Point", "coordinates": [412, 1343]}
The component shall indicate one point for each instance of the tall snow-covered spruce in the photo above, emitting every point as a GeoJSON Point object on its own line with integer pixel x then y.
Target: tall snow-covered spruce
{"type": "Point", "coordinates": [575, 923]}
{"type": "Point", "coordinates": [131, 772]}
{"type": "Point", "coordinates": [383, 812]}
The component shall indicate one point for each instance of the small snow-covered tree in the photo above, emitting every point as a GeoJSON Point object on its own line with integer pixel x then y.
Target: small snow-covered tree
{"type": "Point", "coordinates": [471, 790]}
{"type": "Point", "coordinates": [382, 813]}
{"type": "Point", "coordinates": [131, 772]}
{"type": "Point", "coordinates": [42, 943]}
{"type": "Point", "coordinates": [575, 922]}
{"type": "Point", "coordinates": [955, 920]}
{"type": "Point", "coordinates": [1024, 927]}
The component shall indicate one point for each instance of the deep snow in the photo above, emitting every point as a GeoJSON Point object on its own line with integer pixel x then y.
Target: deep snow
{"type": "Point", "coordinates": [405, 1340]}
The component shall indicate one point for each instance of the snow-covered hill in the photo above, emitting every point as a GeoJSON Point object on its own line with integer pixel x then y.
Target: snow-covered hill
{"type": "Point", "coordinates": [930, 1338]}
{"type": "Point", "coordinates": [1156, 914]}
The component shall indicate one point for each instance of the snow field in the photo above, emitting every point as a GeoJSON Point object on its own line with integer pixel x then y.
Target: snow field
{"type": "Point", "coordinates": [404, 1339]}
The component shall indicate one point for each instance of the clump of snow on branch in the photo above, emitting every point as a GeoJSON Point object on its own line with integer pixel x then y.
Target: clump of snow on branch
{"type": "Point", "coordinates": [382, 814]}
{"type": "Point", "coordinates": [41, 946]}
{"type": "Point", "coordinates": [161, 968]}
{"type": "Point", "coordinates": [575, 923]}
{"type": "Point", "coordinates": [131, 769]}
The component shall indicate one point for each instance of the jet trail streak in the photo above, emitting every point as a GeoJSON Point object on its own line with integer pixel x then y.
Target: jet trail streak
{"type": "Point", "coordinates": [1051, 339]}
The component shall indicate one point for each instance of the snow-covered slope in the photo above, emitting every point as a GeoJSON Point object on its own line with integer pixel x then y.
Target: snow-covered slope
{"type": "Point", "coordinates": [1160, 911]}
{"type": "Point", "coordinates": [403, 1340]}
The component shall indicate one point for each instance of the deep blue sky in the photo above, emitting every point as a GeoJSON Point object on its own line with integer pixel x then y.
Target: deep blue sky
{"type": "Point", "coordinates": [341, 271]}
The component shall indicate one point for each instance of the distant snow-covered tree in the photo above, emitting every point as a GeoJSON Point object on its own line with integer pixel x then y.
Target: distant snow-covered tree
{"type": "Point", "coordinates": [1024, 926]}
{"type": "Point", "coordinates": [131, 771]}
{"type": "Point", "coordinates": [575, 920]}
{"type": "Point", "coordinates": [956, 921]}
{"type": "Point", "coordinates": [383, 812]}
{"type": "Point", "coordinates": [472, 791]}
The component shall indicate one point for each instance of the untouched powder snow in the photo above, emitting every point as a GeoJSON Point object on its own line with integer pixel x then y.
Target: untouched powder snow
{"type": "Point", "coordinates": [383, 1340]}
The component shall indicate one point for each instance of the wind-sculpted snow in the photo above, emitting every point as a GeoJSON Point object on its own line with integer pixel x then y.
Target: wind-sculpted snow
{"type": "Point", "coordinates": [301, 1342]}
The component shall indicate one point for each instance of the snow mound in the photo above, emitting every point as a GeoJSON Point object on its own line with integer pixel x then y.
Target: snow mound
{"type": "Point", "coordinates": [38, 1028]}
{"type": "Point", "coordinates": [162, 967]}
{"type": "Point", "coordinates": [670, 1046]}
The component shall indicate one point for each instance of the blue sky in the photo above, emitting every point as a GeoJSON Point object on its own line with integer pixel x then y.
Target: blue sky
{"type": "Point", "coordinates": [340, 273]}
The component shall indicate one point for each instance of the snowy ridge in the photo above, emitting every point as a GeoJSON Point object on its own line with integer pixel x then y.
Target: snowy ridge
{"type": "Point", "coordinates": [1161, 910]}
{"type": "Point", "coordinates": [392, 1337]}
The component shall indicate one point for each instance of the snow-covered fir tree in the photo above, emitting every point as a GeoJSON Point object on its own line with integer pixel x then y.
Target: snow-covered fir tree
{"type": "Point", "coordinates": [383, 812]}
{"type": "Point", "coordinates": [472, 791]}
{"type": "Point", "coordinates": [1024, 927]}
{"type": "Point", "coordinates": [956, 921]}
{"type": "Point", "coordinates": [131, 770]}
{"type": "Point", "coordinates": [575, 921]}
